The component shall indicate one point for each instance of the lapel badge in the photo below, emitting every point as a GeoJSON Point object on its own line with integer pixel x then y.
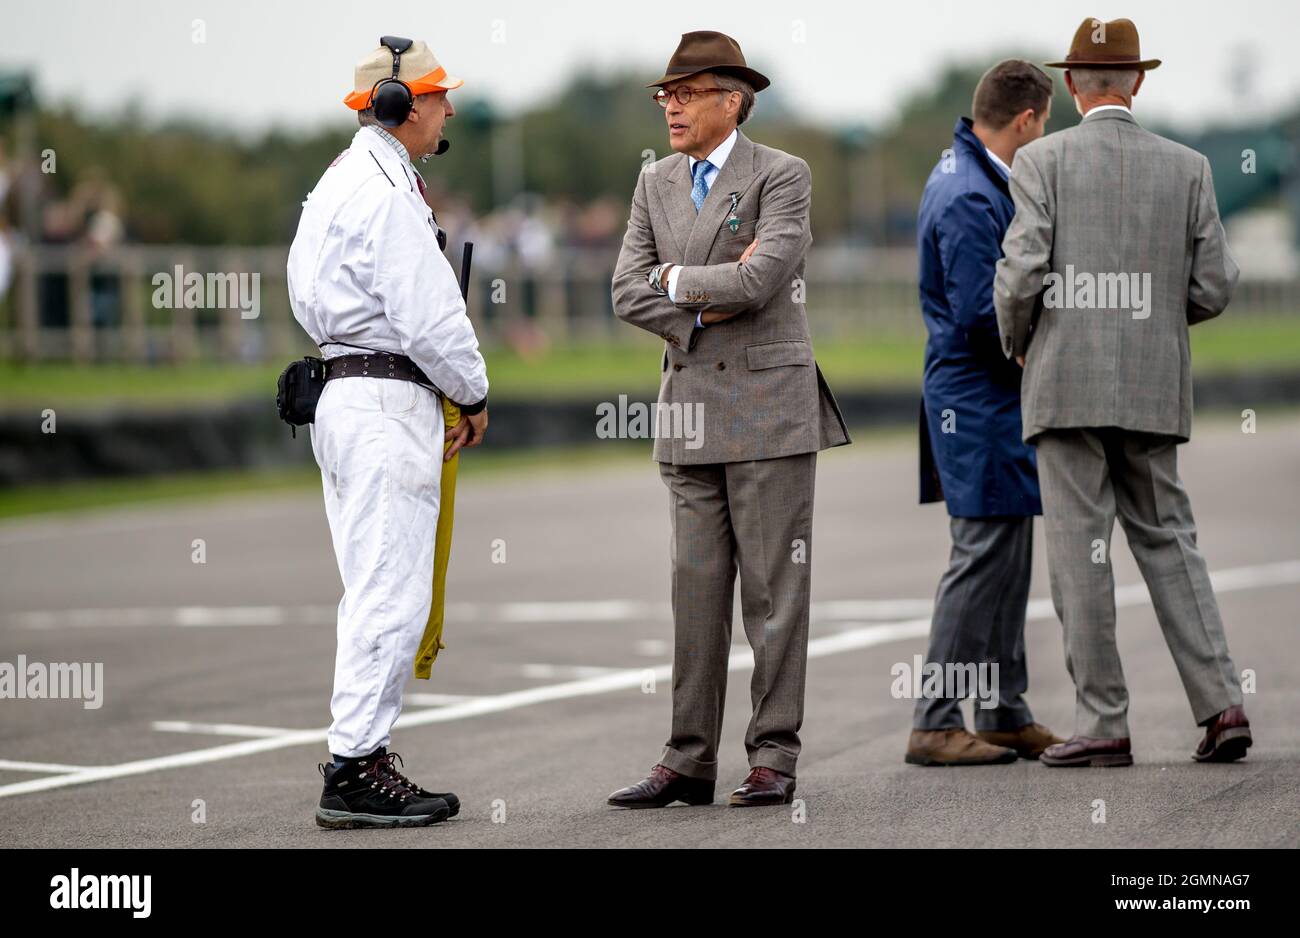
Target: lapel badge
{"type": "Point", "coordinates": [733, 222]}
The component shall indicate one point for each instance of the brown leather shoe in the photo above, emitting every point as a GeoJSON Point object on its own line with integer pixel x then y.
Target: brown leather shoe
{"type": "Point", "coordinates": [662, 787]}
{"type": "Point", "coordinates": [1028, 741]}
{"type": "Point", "coordinates": [1084, 750]}
{"type": "Point", "coordinates": [954, 747]}
{"type": "Point", "coordinates": [763, 786]}
{"type": "Point", "coordinates": [1226, 738]}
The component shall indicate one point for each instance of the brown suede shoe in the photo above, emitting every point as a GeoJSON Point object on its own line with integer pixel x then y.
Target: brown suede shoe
{"type": "Point", "coordinates": [954, 747]}
{"type": "Point", "coordinates": [662, 787]}
{"type": "Point", "coordinates": [1083, 750]}
{"type": "Point", "coordinates": [1226, 738]}
{"type": "Point", "coordinates": [763, 786]}
{"type": "Point", "coordinates": [1028, 741]}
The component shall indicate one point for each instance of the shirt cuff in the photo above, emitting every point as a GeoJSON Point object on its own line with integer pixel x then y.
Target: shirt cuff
{"type": "Point", "coordinates": [672, 282]}
{"type": "Point", "coordinates": [470, 410]}
{"type": "Point", "coordinates": [699, 322]}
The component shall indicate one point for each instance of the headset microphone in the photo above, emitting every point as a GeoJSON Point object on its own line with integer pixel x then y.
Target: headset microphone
{"type": "Point", "coordinates": [443, 147]}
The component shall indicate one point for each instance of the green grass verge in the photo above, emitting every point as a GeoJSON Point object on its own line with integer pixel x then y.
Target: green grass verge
{"type": "Point", "coordinates": [1225, 344]}
{"type": "Point", "coordinates": [480, 464]}
{"type": "Point", "coordinates": [483, 465]}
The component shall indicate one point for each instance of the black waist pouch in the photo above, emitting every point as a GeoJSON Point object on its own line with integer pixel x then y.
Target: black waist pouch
{"type": "Point", "coordinates": [298, 391]}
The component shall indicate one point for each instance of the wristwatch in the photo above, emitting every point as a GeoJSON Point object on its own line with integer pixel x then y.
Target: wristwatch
{"type": "Point", "coordinates": [655, 278]}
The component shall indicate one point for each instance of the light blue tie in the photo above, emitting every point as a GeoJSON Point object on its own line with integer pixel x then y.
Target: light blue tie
{"type": "Point", "coordinates": [699, 190]}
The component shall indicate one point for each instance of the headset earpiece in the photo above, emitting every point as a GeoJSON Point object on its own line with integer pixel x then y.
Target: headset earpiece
{"type": "Point", "coordinates": [391, 98]}
{"type": "Point", "coordinates": [392, 102]}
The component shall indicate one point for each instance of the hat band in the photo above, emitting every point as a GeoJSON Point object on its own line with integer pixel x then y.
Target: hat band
{"type": "Point", "coordinates": [1117, 57]}
{"type": "Point", "coordinates": [692, 69]}
{"type": "Point", "coordinates": [425, 84]}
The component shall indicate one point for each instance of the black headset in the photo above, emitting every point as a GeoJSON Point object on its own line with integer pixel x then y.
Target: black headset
{"type": "Point", "coordinates": [391, 98]}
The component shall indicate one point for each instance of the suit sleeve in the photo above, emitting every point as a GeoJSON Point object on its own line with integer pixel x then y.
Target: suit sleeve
{"type": "Point", "coordinates": [1214, 272]}
{"type": "Point", "coordinates": [784, 236]}
{"type": "Point", "coordinates": [422, 298]}
{"type": "Point", "coordinates": [634, 301]}
{"type": "Point", "coordinates": [1026, 255]}
{"type": "Point", "coordinates": [969, 240]}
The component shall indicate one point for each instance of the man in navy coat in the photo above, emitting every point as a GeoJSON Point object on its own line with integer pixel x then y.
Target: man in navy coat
{"type": "Point", "coordinates": [972, 456]}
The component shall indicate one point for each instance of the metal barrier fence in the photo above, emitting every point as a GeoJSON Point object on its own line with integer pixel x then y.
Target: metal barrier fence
{"type": "Point", "coordinates": [68, 303]}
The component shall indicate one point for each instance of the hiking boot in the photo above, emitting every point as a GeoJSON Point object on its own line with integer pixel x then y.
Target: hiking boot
{"type": "Point", "coordinates": [370, 792]}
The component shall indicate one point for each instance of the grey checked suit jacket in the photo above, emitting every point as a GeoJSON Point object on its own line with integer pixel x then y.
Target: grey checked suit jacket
{"type": "Point", "coordinates": [1107, 197]}
{"type": "Point", "coordinates": [762, 393]}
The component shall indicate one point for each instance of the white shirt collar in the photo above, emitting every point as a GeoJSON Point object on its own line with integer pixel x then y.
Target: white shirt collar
{"type": "Point", "coordinates": [997, 161]}
{"type": "Point", "coordinates": [1108, 107]}
{"type": "Point", "coordinates": [719, 155]}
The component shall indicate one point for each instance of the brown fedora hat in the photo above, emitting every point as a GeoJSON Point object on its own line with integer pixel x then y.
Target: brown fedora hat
{"type": "Point", "coordinates": [709, 51]}
{"type": "Point", "coordinates": [1113, 44]}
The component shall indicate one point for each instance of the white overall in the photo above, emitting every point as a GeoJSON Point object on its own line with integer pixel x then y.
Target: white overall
{"type": "Point", "coordinates": [379, 446]}
{"type": "Point", "coordinates": [365, 269]}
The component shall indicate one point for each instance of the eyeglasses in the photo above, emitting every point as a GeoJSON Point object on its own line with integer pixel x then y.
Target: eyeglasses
{"type": "Point", "coordinates": [682, 94]}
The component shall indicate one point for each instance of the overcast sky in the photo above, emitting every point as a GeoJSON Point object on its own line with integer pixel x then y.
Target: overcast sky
{"type": "Point", "coordinates": [281, 62]}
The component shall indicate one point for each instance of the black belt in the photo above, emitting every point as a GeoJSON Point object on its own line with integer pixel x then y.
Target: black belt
{"type": "Point", "coordinates": [385, 365]}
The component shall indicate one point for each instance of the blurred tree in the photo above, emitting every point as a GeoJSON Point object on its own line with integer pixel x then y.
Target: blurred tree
{"type": "Point", "coordinates": [911, 144]}
{"type": "Point", "coordinates": [185, 183]}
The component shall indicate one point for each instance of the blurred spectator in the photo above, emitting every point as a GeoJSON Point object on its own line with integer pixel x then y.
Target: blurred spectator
{"type": "Point", "coordinates": [91, 216]}
{"type": "Point", "coordinates": [99, 205]}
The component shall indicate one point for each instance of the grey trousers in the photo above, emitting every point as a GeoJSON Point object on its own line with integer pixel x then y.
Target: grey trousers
{"type": "Point", "coordinates": [754, 518]}
{"type": "Point", "coordinates": [979, 616]}
{"type": "Point", "coordinates": [1088, 476]}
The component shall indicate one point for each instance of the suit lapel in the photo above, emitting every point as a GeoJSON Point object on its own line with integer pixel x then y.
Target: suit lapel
{"type": "Point", "coordinates": [674, 188]}
{"type": "Point", "coordinates": [735, 176]}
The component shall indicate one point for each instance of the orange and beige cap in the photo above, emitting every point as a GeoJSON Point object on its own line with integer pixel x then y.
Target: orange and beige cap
{"type": "Point", "coordinates": [419, 70]}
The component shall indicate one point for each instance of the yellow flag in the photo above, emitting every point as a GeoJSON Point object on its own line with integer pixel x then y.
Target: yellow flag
{"type": "Point", "coordinates": [431, 643]}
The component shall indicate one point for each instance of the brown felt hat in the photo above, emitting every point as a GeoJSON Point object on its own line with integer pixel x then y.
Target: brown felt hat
{"type": "Point", "coordinates": [1113, 44]}
{"type": "Point", "coordinates": [709, 51]}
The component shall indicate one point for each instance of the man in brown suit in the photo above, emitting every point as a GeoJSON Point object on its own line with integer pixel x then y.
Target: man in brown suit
{"type": "Point", "coordinates": [713, 261]}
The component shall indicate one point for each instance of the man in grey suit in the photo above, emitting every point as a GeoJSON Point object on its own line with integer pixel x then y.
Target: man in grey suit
{"type": "Point", "coordinates": [713, 261]}
{"type": "Point", "coordinates": [1115, 249]}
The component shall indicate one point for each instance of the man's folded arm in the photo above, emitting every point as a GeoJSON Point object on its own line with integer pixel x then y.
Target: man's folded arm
{"type": "Point", "coordinates": [634, 301]}
{"type": "Point", "coordinates": [784, 235]}
{"type": "Point", "coordinates": [1027, 253]}
{"type": "Point", "coordinates": [422, 301]}
{"type": "Point", "coordinates": [1214, 272]}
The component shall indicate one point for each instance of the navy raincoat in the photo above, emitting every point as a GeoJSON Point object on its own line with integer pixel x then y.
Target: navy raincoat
{"type": "Point", "coordinates": [972, 456]}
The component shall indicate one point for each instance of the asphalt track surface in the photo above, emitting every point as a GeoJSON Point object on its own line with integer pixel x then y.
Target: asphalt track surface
{"type": "Point", "coordinates": [217, 675]}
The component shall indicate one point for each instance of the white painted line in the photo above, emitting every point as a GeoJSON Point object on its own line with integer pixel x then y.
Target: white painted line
{"type": "Point", "coordinates": [531, 613]}
{"type": "Point", "coordinates": [597, 610]}
{"type": "Point", "coordinates": [55, 767]}
{"type": "Point", "coordinates": [542, 670]}
{"type": "Point", "coordinates": [227, 616]}
{"type": "Point", "coordinates": [177, 617]}
{"type": "Point", "coordinates": [435, 700]}
{"type": "Point", "coordinates": [872, 609]}
{"type": "Point", "coordinates": [1240, 578]}
{"type": "Point", "coordinates": [219, 729]}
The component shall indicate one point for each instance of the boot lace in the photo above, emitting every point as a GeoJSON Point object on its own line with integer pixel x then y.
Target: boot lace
{"type": "Point", "coordinates": [385, 778]}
